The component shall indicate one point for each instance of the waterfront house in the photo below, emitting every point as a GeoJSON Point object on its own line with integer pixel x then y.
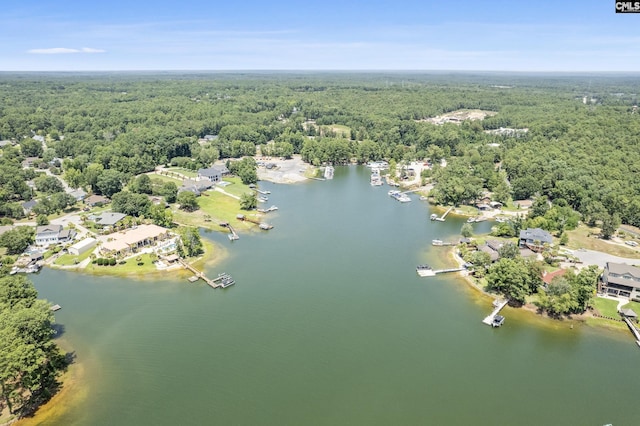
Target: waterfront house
{"type": "Point", "coordinates": [131, 240]}
{"type": "Point", "coordinates": [47, 234]}
{"type": "Point", "coordinates": [213, 173]}
{"type": "Point", "coordinates": [523, 204]}
{"type": "Point", "coordinates": [534, 238]}
{"type": "Point", "coordinates": [196, 186]}
{"type": "Point", "coordinates": [620, 279]}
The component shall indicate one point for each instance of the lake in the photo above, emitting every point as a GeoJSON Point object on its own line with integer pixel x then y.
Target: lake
{"type": "Point", "coordinates": [329, 324]}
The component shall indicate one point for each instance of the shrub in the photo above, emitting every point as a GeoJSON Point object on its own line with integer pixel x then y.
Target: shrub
{"type": "Point", "coordinates": [112, 261]}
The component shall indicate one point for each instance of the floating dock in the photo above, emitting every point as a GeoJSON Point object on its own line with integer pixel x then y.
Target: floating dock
{"type": "Point", "coordinates": [498, 307]}
{"type": "Point", "coordinates": [56, 308]}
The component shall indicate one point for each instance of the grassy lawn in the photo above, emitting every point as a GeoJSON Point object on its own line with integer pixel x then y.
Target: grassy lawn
{"type": "Point", "coordinates": [70, 259]}
{"type": "Point", "coordinates": [340, 128]}
{"type": "Point", "coordinates": [163, 178]}
{"type": "Point", "coordinates": [606, 307]}
{"type": "Point", "coordinates": [131, 267]}
{"type": "Point", "coordinates": [579, 238]}
{"type": "Point", "coordinates": [633, 305]}
{"type": "Point", "coordinates": [236, 188]}
{"type": "Point", "coordinates": [214, 208]}
{"type": "Point", "coordinates": [186, 172]}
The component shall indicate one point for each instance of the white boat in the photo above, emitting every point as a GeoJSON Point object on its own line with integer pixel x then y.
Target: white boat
{"type": "Point", "coordinates": [434, 216]}
{"type": "Point", "coordinates": [437, 242]}
{"type": "Point", "coordinates": [425, 271]}
{"type": "Point", "coordinates": [328, 172]}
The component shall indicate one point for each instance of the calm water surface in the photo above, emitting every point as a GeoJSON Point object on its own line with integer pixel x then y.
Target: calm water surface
{"type": "Point", "coordinates": [329, 324]}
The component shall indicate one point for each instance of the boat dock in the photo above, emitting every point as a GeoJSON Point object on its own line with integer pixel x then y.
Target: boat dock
{"type": "Point", "coordinates": [498, 307]}
{"type": "Point", "coordinates": [223, 280]}
{"type": "Point", "coordinates": [441, 243]}
{"type": "Point", "coordinates": [233, 235]}
{"type": "Point", "coordinates": [442, 271]}
{"type": "Point", "coordinates": [55, 308]}
{"type": "Point", "coordinates": [442, 218]}
{"type": "Point", "coordinates": [633, 329]}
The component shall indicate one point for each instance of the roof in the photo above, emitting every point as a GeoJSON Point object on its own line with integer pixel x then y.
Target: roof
{"type": "Point", "coordinates": [491, 252]}
{"type": "Point", "coordinates": [87, 242]}
{"type": "Point", "coordinates": [44, 229]}
{"type": "Point", "coordinates": [548, 277]}
{"type": "Point", "coordinates": [623, 269]}
{"type": "Point", "coordinates": [66, 233]}
{"type": "Point", "coordinates": [536, 234]}
{"type": "Point", "coordinates": [124, 239]}
{"type": "Point", "coordinates": [630, 313]}
{"type": "Point", "coordinates": [78, 193]}
{"type": "Point", "coordinates": [524, 203]}
{"type": "Point", "coordinates": [110, 218]}
{"type": "Point", "coordinates": [95, 199]}
{"type": "Point", "coordinates": [28, 205]}
{"type": "Point", "coordinates": [215, 169]}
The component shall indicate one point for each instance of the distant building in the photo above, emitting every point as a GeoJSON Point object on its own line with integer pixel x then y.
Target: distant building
{"type": "Point", "coordinates": [78, 194]}
{"type": "Point", "coordinates": [96, 200]}
{"type": "Point", "coordinates": [28, 206]}
{"type": "Point", "coordinates": [30, 162]}
{"type": "Point", "coordinates": [523, 204]}
{"type": "Point", "coordinates": [534, 238]}
{"type": "Point", "coordinates": [620, 279]}
{"type": "Point", "coordinates": [213, 173]}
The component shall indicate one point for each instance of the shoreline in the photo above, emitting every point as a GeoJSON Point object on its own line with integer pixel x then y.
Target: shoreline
{"type": "Point", "coordinates": [532, 310]}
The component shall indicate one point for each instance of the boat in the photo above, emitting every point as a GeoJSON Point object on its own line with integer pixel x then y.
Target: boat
{"type": "Point", "coordinates": [227, 281]}
{"type": "Point", "coordinates": [498, 320]}
{"type": "Point", "coordinates": [265, 226]}
{"type": "Point", "coordinates": [328, 172]}
{"type": "Point", "coordinates": [471, 220]}
{"type": "Point", "coordinates": [437, 242]}
{"type": "Point", "coordinates": [434, 216]}
{"type": "Point", "coordinates": [425, 271]}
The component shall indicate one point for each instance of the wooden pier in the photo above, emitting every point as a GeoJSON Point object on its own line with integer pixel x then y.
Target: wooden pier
{"type": "Point", "coordinates": [499, 305]}
{"type": "Point", "coordinates": [446, 271]}
{"type": "Point", "coordinates": [633, 329]}
{"type": "Point", "coordinates": [442, 218]}
{"type": "Point", "coordinates": [213, 283]}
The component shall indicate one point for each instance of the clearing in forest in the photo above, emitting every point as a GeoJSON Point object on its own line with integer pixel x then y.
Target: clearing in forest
{"type": "Point", "coordinates": [458, 116]}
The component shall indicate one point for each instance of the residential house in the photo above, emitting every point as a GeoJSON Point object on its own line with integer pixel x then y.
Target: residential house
{"type": "Point", "coordinates": [620, 279]}
{"type": "Point", "coordinates": [82, 246]}
{"type": "Point", "coordinates": [130, 240]}
{"type": "Point", "coordinates": [109, 219]}
{"type": "Point", "coordinates": [53, 234]}
{"type": "Point", "coordinates": [96, 200]}
{"type": "Point", "coordinates": [483, 207]}
{"type": "Point", "coordinates": [495, 204]}
{"type": "Point", "coordinates": [534, 238]}
{"type": "Point", "coordinates": [491, 247]}
{"type": "Point", "coordinates": [78, 194]}
{"type": "Point", "coordinates": [195, 186]}
{"type": "Point", "coordinates": [28, 206]}
{"type": "Point", "coordinates": [523, 204]}
{"type": "Point", "coordinates": [213, 173]}
{"type": "Point", "coordinates": [31, 162]}
{"type": "Point", "coordinates": [5, 143]}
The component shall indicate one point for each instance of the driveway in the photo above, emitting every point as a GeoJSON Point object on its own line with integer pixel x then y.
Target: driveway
{"type": "Point", "coordinates": [591, 257]}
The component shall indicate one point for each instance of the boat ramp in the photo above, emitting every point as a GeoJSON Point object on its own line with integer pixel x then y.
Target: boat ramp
{"type": "Point", "coordinates": [493, 316]}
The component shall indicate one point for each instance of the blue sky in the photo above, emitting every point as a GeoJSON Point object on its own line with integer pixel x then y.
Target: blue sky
{"type": "Point", "coordinates": [540, 35]}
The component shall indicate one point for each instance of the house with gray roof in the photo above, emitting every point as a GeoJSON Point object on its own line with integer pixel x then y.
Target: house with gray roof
{"type": "Point", "coordinates": [96, 200]}
{"type": "Point", "coordinates": [78, 194]}
{"type": "Point", "coordinates": [534, 238]}
{"type": "Point", "coordinates": [28, 206]}
{"type": "Point", "coordinates": [195, 186]}
{"type": "Point", "coordinates": [213, 173]}
{"type": "Point", "coordinates": [109, 218]}
{"type": "Point", "coordinates": [48, 234]}
{"type": "Point", "coordinates": [620, 279]}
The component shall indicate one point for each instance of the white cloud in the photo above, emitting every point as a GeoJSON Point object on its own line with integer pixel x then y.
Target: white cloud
{"type": "Point", "coordinates": [63, 50]}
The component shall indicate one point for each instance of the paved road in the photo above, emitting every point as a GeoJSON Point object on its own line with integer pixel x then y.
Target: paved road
{"type": "Point", "coordinates": [591, 257]}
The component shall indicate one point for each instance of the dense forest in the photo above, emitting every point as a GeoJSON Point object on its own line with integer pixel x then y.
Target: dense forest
{"type": "Point", "coordinates": [580, 149]}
